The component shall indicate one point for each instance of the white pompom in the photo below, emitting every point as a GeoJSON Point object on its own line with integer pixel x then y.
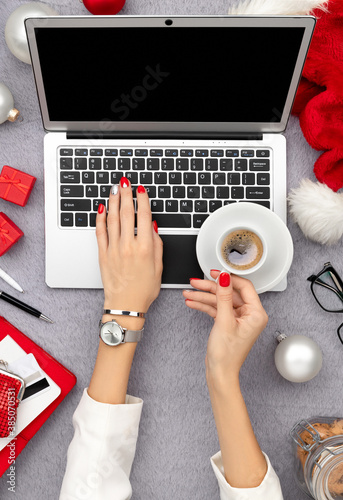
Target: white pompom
{"type": "Point", "coordinates": [318, 210]}
{"type": "Point", "coordinates": [276, 7]}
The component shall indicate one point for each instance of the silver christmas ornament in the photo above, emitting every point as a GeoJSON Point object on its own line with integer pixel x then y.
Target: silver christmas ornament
{"type": "Point", "coordinates": [7, 109]}
{"type": "Point", "coordinates": [297, 358]}
{"type": "Point", "coordinates": [15, 33]}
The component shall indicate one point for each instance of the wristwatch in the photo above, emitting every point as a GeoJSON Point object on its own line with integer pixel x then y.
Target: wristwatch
{"type": "Point", "coordinates": [113, 334]}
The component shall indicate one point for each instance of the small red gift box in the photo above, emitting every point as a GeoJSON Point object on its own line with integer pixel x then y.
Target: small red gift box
{"type": "Point", "coordinates": [9, 233]}
{"type": "Point", "coordinates": [15, 185]}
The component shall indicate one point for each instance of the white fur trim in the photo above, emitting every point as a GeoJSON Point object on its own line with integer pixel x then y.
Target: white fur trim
{"type": "Point", "coordinates": [276, 7]}
{"type": "Point", "coordinates": [318, 210]}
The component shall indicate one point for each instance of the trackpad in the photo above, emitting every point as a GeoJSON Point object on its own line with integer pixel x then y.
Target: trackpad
{"type": "Point", "coordinates": [179, 259]}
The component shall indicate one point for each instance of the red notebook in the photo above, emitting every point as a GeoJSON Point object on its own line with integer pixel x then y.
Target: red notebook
{"type": "Point", "coordinates": [59, 374]}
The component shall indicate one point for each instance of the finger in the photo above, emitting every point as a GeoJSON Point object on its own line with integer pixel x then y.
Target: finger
{"type": "Point", "coordinates": [101, 230]}
{"type": "Point", "coordinates": [225, 299]}
{"type": "Point", "coordinates": [199, 306]}
{"type": "Point", "coordinates": [144, 218]}
{"type": "Point", "coordinates": [246, 290]}
{"type": "Point", "coordinates": [158, 248]}
{"type": "Point", "coordinates": [204, 297]}
{"type": "Point", "coordinates": [113, 221]}
{"type": "Point", "coordinates": [127, 211]}
{"type": "Point", "coordinates": [211, 286]}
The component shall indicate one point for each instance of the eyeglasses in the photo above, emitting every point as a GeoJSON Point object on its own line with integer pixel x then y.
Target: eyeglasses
{"type": "Point", "coordinates": [327, 289]}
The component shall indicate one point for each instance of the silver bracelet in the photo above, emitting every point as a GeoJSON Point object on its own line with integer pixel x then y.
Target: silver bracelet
{"type": "Point", "coordinates": [124, 313]}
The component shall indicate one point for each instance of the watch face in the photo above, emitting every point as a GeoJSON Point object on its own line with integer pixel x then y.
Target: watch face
{"type": "Point", "coordinates": [111, 333]}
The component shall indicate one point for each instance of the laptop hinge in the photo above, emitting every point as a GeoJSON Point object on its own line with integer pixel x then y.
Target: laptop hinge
{"type": "Point", "coordinates": [164, 135]}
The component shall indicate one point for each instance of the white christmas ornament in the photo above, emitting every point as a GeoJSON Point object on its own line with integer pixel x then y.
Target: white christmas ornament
{"type": "Point", "coordinates": [297, 358]}
{"type": "Point", "coordinates": [7, 109]}
{"type": "Point", "coordinates": [318, 211]}
{"type": "Point", "coordinates": [15, 33]}
{"type": "Point", "coordinates": [276, 7]}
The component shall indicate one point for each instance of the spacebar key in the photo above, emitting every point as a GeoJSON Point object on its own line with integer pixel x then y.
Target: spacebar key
{"type": "Point", "coordinates": [76, 205]}
{"type": "Point", "coordinates": [172, 220]}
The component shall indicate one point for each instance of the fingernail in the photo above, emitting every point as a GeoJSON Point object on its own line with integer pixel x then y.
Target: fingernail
{"type": "Point", "coordinates": [194, 279]}
{"type": "Point", "coordinates": [100, 208]}
{"type": "Point", "coordinates": [189, 300]}
{"type": "Point", "coordinates": [155, 226]}
{"type": "Point", "coordinates": [216, 270]}
{"type": "Point", "coordinates": [224, 279]}
{"type": "Point", "coordinates": [114, 189]}
{"type": "Point", "coordinates": [141, 189]}
{"type": "Point", "coordinates": [124, 182]}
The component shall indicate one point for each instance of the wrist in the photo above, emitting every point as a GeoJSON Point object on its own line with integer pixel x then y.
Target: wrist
{"type": "Point", "coordinates": [222, 379]}
{"type": "Point", "coordinates": [128, 322]}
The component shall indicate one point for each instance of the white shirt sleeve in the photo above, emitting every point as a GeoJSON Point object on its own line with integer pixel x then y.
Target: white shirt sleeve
{"type": "Point", "coordinates": [269, 489]}
{"type": "Point", "coordinates": [102, 450]}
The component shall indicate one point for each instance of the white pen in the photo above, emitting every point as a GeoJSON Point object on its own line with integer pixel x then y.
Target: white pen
{"type": "Point", "coordinates": [10, 281]}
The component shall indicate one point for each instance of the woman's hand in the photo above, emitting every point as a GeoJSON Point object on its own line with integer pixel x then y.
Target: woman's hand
{"type": "Point", "coordinates": [131, 266]}
{"type": "Point", "coordinates": [239, 319]}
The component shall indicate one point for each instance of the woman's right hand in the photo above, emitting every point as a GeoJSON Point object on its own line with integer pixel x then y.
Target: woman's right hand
{"type": "Point", "coordinates": [239, 320]}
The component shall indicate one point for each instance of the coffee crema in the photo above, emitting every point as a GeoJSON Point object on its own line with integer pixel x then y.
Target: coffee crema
{"type": "Point", "coordinates": [242, 249]}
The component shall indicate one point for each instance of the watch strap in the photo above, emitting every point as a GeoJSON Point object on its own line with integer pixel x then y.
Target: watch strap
{"type": "Point", "coordinates": [133, 335]}
{"type": "Point", "coordinates": [119, 312]}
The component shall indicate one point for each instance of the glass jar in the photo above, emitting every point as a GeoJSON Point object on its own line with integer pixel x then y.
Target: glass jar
{"type": "Point", "coordinates": [319, 457]}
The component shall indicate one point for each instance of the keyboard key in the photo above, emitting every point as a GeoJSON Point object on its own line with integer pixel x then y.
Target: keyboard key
{"type": "Point", "coordinates": [138, 163]}
{"type": "Point", "coordinates": [160, 178]}
{"type": "Point", "coordinates": [105, 191]}
{"type": "Point", "coordinates": [145, 178]}
{"type": "Point", "coordinates": [109, 164]}
{"type": "Point", "coordinates": [88, 177]}
{"type": "Point", "coordinates": [226, 165]}
{"type": "Point", "coordinates": [167, 164]}
{"type": "Point", "coordinates": [72, 191]}
{"type": "Point", "coordinates": [171, 152]}
{"type": "Point", "coordinates": [237, 192]}
{"type": "Point", "coordinates": [172, 205]}
{"type": "Point", "coordinates": [229, 202]}
{"type": "Point", "coordinates": [234, 179]}
{"type": "Point", "coordinates": [217, 152]}
{"type": "Point", "coordinates": [67, 220]}
{"type": "Point", "coordinates": [247, 153]}
{"type": "Point", "coordinates": [179, 191]}
{"type": "Point", "coordinates": [151, 190]}
{"type": "Point", "coordinates": [153, 163]}
{"type": "Point", "coordinates": [208, 192]}
{"type": "Point", "coordinates": [96, 152]}
{"type": "Point", "coordinates": [190, 178]}
{"type": "Point", "coordinates": [260, 153]}
{"type": "Point", "coordinates": [199, 219]}
{"type": "Point", "coordinates": [214, 205]}
{"type": "Point", "coordinates": [133, 177]}
{"type": "Point", "coordinates": [164, 192]}
{"type": "Point", "coordinates": [186, 152]}
{"type": "Point", "coordinates": [193, 192]}
{"type": "Point", "coordinates": [75, 205]}
{"type": "Point", "coordinates": [201, 152]}
{"type": "Point", "coordinates": [102, 178]}
{"type": "Point", "coordinates": [173, 220]}
{"type": "Point", "coordinates": [80, 163]}
{"type": "Point", "coordinates": [248, 179]}
{"type": "Point", "coordinates": [197, 164]}
{"type": "Point", "coordinates": [81, 220]}
{"type": "Point", "coordinates": [241, 165]}
{"type": "Point", "coordinates": [126, 152]}
{"type": "Point", "coordinates": [186, 206]}
{"type": "Point", "coordinates": [70, 177]}
{"type": "Point", "coordinates": [92, 191]}
{"type": "Point", "coordinates": [223, 192]}
{"type": "Point", "coordinates": [66, 163]}
{"type": "Point", "coordinates": [111, 152]}
{"type": "Point", "coordinates": [156, 152]}
{"type": "Point", "coordinates": [182, 164]}
{"type": "Point", "coordinates": [94, 164]}
{"type": "Point", "coordinates": [81, 152]}
{"type": "Point", "coordinates": [263, 203]}
{"type": "Point", "coordinates": [232, 152]}
{"type": "Point", "coordinates": [66, 152]}
{"type": "Point", "coordinates": [115, 177]}
{"type": "Point", "coordinates": [141, 152]}
{"type": "Point", "coordinates": [204, 178]}
{"type": "Point", "coordinates": [263, 179]}
{"type": "Point", "coordinates": [92, 220]}
{"type": "Point", "coordinates": [96, 204]}
{"type": "Point", "coordinates": [156, 205]}
{"type": "Point", "coordinates": [259, 165]}
{"type": "Point", "coordinates": [257, 193]}
{"type": "Point", "coordinates": [175, 178]}
{"type": "Point", "coordinates": [219, 179]}
{"type": "Point", "coordinates": [211, 164]}
{"type": "Point", "coordinates": [123, 163]}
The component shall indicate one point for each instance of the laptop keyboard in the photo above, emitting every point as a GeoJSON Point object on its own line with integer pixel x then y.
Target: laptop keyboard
{"type": "Point", "coordinates": [184, 185]}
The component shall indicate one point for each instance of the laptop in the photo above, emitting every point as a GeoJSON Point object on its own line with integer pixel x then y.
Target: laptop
{"type": "Point", "coordinates": [193, 108]}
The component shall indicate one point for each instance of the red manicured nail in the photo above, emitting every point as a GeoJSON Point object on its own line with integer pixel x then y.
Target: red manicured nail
{"type": "Point", "coordinates": [189, 300]}
{"type": "Point", "coordinates": [141, 189]}
{"type": "Point", "coordinates": [100, 208]}
{"type": "Point", "coordinates": [194, 279]}
{"type": "Point", "coordinates": [155, 226]}
{"type": "Point", "coordinates": [124, 182]}
{"type": "Point", "coordinates": [224, 279]}
{"type": "Point", "coordinates": [216, 270]}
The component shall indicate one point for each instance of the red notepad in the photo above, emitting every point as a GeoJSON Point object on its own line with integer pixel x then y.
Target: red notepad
{"type": "Point", "coordinates": [59, 374]}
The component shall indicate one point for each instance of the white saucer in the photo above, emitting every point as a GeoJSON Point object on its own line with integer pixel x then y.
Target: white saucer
{"type": "Point", "coordinates": [266, 222]}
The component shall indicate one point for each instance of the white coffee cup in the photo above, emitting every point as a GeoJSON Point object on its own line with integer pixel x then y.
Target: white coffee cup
{"type": "Point", "coordinates": [245, 249]}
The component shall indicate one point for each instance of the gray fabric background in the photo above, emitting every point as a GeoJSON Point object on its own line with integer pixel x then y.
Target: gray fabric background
{"type": "Point", "coordinates": [177, 432]}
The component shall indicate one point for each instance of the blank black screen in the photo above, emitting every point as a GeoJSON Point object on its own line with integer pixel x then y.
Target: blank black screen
{"type": "Point", "coordinates": [167, 74]}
